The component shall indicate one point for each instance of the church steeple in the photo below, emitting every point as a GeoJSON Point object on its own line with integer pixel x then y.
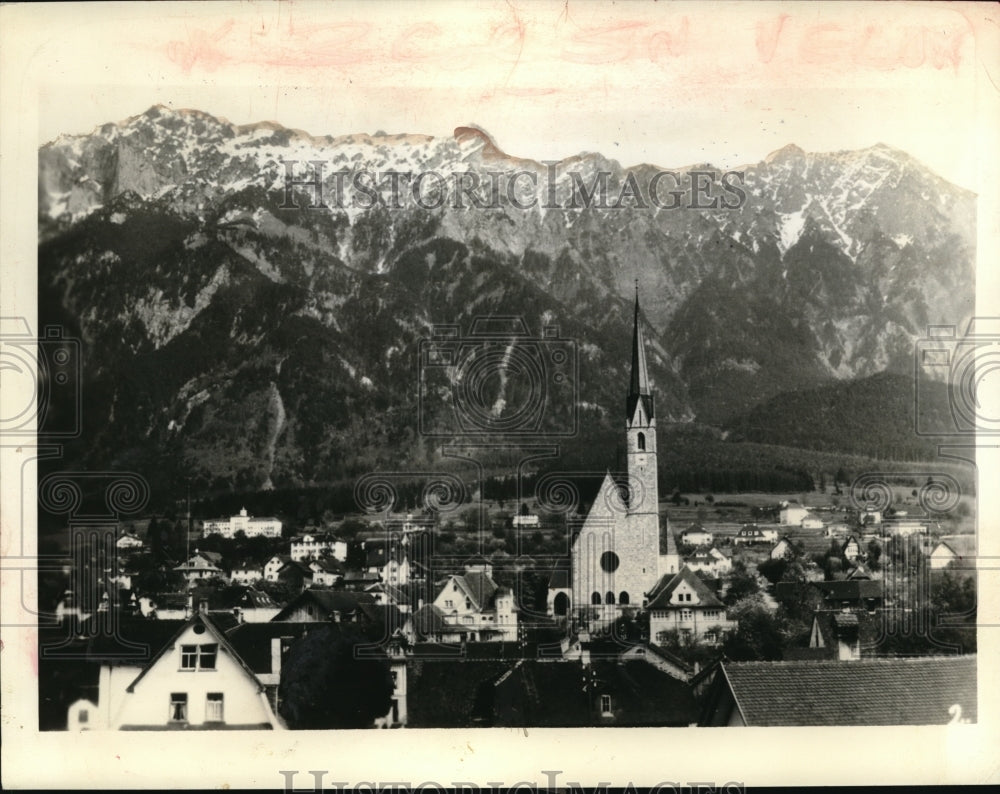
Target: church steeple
{"type": "Point", "coordinates": [638, 389]}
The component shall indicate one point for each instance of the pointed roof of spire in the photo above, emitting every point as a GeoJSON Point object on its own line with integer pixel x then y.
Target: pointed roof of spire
{"type": "Point", "coordinates": [639, 382]}
{"type": "Point", "coordinates": [638, 389]}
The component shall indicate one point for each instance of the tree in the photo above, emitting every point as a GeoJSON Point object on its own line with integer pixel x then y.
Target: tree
{"type": "Point", "coordinates": [874, 554]}
{"type": "Point", "coordinates": [326, 683]}
{"type": "Point", "coordinates": [773, 570]}
{"type": "Point", "coordinates": [742, 584]}
{"type": "Point", "coordinates": [760, 635]}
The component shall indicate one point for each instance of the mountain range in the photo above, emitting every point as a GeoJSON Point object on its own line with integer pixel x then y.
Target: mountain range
{"type": "Point", "coordinates": [234, 338]}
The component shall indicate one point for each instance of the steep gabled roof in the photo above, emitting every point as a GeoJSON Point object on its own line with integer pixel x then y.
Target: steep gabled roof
{"type": "Point", "coordinates": [215, 631]}
{"type": "Point", "coordinates": [663, 591]}
{"type": "Point", "coordinates": [918, 691]}
{"type": "Point", "coordinates": [429, 620]}
{"type": "Point", "coordinates": [326, 601]}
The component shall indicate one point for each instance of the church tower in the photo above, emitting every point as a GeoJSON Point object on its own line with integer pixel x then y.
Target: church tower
{"type": "Point", "coordinates": [640, 427]}
{"type": "Point", "coordinates": [616, 556]}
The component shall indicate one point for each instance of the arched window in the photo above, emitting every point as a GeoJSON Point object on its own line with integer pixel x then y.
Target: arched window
{"type": "Point", "coordinates": [623, 597]}
{"type": "Point", "coordinates": [609, 598]}
{"type": "Point", "coordinates": [561, 604]}
{"type": "Point", "coordinates": [642, 442]}
{"type": "Point", "coordinates": [595, 598]}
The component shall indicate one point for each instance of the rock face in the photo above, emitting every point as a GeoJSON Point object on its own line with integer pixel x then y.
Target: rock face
{"type": "Point", "coordinates": [250, 343]}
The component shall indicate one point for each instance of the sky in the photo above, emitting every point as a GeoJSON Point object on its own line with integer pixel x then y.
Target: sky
{"type": "Point", "coordinates": [671, 84]}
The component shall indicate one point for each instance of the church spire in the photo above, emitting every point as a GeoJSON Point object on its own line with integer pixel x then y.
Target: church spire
{"type": "Point", "coordinates": [639, 382]}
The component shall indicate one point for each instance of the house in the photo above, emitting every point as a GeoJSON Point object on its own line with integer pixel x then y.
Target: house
{"type": "Point", "coordinates": [811, 522]}
{"type": "Point", "coordinates": [475, 602]}
{"type": "Point", "coordinates": [192, 680]}
{"type": "Point", "coordinates": [861, 593]}
{"type": "Point", "coordinates": [326, 572]}
{"type": "Point", "coordinates": [387, 559]}
{"type": "Point", "coordinates": [129, 542]}
{"type": "Point", "coordinates": [524, 521]}
{"type": "Point", "coordinates": [251, 606]}
{"type": "Point", "coordinates": [250, 526]}
{"type": "Point", "coordinates": [754, 534]}
{"type": "Point", "coordinates": [696, 536]}
{"type": "Point", "coordinates": [851, 549]}
{"type": "Point", "coordinates": [314, 605]}
{"type": "Point", "coordinates": [929, 690]}
{"type": "Point", "coordinates": [684, 603]}
{"type": "Point", "coordinates": [295, 574]}
{"type": "Point", "coordinates": [792, 514]}
{"type": "Point", "coordinates": [712, 562]}
{"type": "Point", "coordinates": [429, 624]}
{"type": "Point", "coordinates": [391, 595]}
{"type": "Point", "coordinates": [870, 517]}
{"type": "Point", "coordinates": [246, 573]}
{"type": "Point", "coordinates": [904, 527]}
{"type": "Point", "coordinates": [783, 550]}
{"type": "Point", "coordinates": [274, 565]}
{"type": "Point", "coordinates": [660, 658]}
{"type": "Point", "coordinates": [959, 550]}
{"type": "Point", "coordinates": [202, 565]}
{"type": "Point", "coordinates": [313, 546]}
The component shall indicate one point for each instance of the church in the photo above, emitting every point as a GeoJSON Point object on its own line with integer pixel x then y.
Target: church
{"type": "Point", "coordinates": [618, 557]}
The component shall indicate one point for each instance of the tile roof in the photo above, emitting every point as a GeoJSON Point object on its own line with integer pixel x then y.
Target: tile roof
{"type": "Point", "coordinates": [915, 691]}
{"type": "Point", "coordinates": [429, 620]}
{"type": "Point", "coordinates": [252, 641]}
{"type": "Point", "coordinates": [328, 601]}
{"type": "Point", "coordinates": [659, 596]}
{"type": "Point", "coordinates": [479, 587]}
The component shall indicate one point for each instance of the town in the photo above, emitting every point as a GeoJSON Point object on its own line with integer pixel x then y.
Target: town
{"type": "Point", "coordinates": [626, 610]}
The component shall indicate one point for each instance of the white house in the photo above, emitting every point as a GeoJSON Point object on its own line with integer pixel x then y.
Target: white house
{"type": "Point", "coordinates": [313, 546]}
{"type": "Point", "coordinates": [202, 565]}
{"type": "Point", "coordinates": [696, 536]}
{"type": "Point", "coordinates": [683, 603]}
{"type": "Point", "coordinates": [524, 521]}
{"type": "Point", "coordinates": [274, 565]}
{"type": "Point", "coordinates": [958, 549]}
{"type": "Point", "coordinates": [326, 572]}
{"type": "Point", "coordinates": [755, 535]}
{"type": "Point", "coordinates": [473, 601]}
{"type": "Point", "coordinates": [811, 522]}
{"type": "Point", "coordinates": [268, 527]}
{"type": "Point", "coordinates": [247, 573]}
{"type": "Point", "coordinates": [711, 561]}
{"type": "Point", "coordinates": [195, 681]}
{"type": "Point", "coordinates": [792, 514]}
{"type": "Point", "coordinates": [128, 543]}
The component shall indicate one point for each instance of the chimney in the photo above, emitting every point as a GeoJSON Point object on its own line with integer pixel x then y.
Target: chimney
{"type": "Point", "coordinates": [189, 606]}
{"type": "Point", "coordinates": [203, 606]}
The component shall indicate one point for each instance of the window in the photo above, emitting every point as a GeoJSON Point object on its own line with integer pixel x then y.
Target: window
{"type": "Point", "coordinates": [395, 679]}
{"type": "Point", "coordinates": [206, 660]}
{"type": "Point", "coordinates": [83, 717]}
{"type": "Point", "coordinates": [178, 707]}
{"type": "Point", "coordinates": [595, 598]}
{"type": "Point", "coordinates": [609, 598]}
{"type": "Point", "coordinates": [449, 603]}
{"type": "Point", "coordinates": [606, 705]}
{"type": "Point", "coordinates": [468, 603]}
{"type": "Point", "coordinates": [642, 442]}
{"type": "Point", "coordinates": [686, 614]}
{"type": "Point", "coordinates": [623, 598]}
{"type": "Point", "coordinates": [213, 707]}
{"type": "Point", "coordinates": [189, 657]}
